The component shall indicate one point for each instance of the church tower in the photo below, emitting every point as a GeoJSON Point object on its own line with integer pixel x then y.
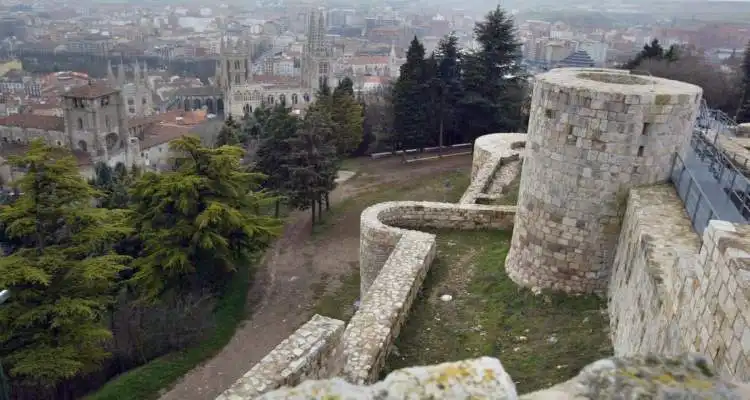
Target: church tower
{"type": "Point", "coordinates": [318, 58]}
{"type": "Point", "coordinates": [233, 67]}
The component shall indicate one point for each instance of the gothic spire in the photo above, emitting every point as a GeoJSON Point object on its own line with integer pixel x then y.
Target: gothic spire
{"type": "Point", "coordinates": [121, 73]}
{"type": "Point", "coordinates": [136, 72]}
{"type": "Point", "coordinates": [110, 74]}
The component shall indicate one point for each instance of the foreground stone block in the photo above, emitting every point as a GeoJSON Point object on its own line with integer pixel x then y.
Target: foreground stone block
{"type": "Point", "coordinates": [688, 376]}
{"type": "Point", "coordinates": [483, 378]}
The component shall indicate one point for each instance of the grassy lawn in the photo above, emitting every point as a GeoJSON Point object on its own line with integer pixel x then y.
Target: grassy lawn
{"type": "Point", "coordinates": [541, 340]}
{"type": "Point", "coordinates": [337, 303]}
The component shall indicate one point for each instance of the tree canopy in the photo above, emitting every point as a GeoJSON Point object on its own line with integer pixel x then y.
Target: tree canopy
{"type": "Point", "coordinates": [61, 273]}
{"type": "Point", "coordinates": [200, 220]}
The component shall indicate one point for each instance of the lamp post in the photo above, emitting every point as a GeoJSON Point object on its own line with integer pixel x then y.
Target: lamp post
{"type": "Point", "coordinates": [4, 384]}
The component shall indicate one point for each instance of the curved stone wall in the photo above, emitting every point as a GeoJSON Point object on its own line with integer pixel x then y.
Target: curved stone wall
{"type": "Point", "coordinates": [592, 136]}
{"type": "Point", "coordinates": [383, 225]}
{"type": "Point", "coordinates": [491, 154]}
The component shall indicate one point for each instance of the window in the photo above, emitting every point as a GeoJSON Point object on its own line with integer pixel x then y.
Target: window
{"type": "Point", "coordinates": [105, 101]}
{"type": "Point", "coordinates": [237, 64]}
{"type": "Point", "coordinates": [144, 101]}
{"type": "Point", "coordinates": [131, 110]}
{"type": "Point", "coordinates": [59, 143]}
{"type": "Point", "coordinates": [82, 145]}
{"type": "Point", "coordinates": [237, 79]}
{"type": "Point", "coordinates": [106, 122]}
{"type": "Point", "coordinates": [80, 123]}
{"type": "Point", "coordinates": [270, 99]}
{"type": "Point", "coordinates": [306, 97]}
{"type": "Point", "coordinates": [282, 98]}
{"type": "Point", "coordinates": [295, 98]}
{"type": "Point", "coordinates": [131, 101]}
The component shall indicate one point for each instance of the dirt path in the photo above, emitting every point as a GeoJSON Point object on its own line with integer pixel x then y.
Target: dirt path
{"type": "Point", "coordinates": [294, 266]}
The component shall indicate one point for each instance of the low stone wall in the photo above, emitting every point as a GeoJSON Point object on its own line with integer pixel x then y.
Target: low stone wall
{"type": "Point", "coordinates": [647, 377]}
{"type": "Point", "coordinates": [383, 310]}
{"type": "Point", "coordinates": [382, 226]}
{"type": "Point", "coordinates": [669, 294]}
{"type": "Point", "coordinates": [491, 153]}
{"type": "Point", "coordinates": [301, 356]}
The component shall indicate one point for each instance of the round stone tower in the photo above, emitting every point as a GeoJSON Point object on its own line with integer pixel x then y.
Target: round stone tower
{"type": "Point", "coordinates": [593, 134]}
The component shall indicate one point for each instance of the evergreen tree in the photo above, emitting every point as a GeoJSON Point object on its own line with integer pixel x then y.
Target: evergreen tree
{"type": "Point", "coordinates": [312, 163]}
{"type": "Point", "coordinates": [273, 150]}
{"type": "Point", "coordinates": [61, 273]}
{"type": "Point", "coordinates": [493, 81]}
{"type": "Point", "coordinates": [198, 222]}
{"type": "Point", "coordinates": [411, 101]}
{"type": "Point", "coordinates": [447, 90]}
{"type": "Point", "coordinates": [347, 117]}
{"type": "Point", "coordinates": [742, 114]}
{"type": "Point", "coordinates": [228, 135]}
{"type": "Point", "coordinates": [112, 185]}
{"type": "Point", "coordinates": [653, 51]}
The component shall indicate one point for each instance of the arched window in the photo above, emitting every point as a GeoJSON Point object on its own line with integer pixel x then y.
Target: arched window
{"type": "Point", "coordinates": [257, 96]}
{"type": "Point", "coordinates": [306, 97]}
{"type": "Point", "coordinates": [282, 98]}
{"type": "Point", "coordinates": [270, 99]}
{"type": "Point", "coordinates": [295, 98]}
{"type": "Point", "coordinates": [237, 79]}
{"type": "Point", "coordinates": [82, 145]}
{"type": "Point", "coordinates": [80, 123]}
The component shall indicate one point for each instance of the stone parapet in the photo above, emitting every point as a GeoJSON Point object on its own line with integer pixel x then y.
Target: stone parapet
{"type": "Point", "coordinates": [382, 226]}
{"type": "Point", "coordinates": [301, 356]}
{"type": "Point", "coordinates": [628, 378]}
{"type": "Point", "coordinates": [383, 309]}
{"type": "Point", "coordinates": [592, 136]}
{"type": "Point", "coordinates": [670, 294]}
{"type": "Point", "coordinates": [655, 232]}
{"type": "Point", "coordinates": [491, 153]}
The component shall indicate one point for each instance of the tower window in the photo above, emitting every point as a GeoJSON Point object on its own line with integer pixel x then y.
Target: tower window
{"type": "Point", "coordinates": [106, 121]}
{"type": "Point", "coordinates": [80, 123]}
{"type": "Point", "coordinates": [237, 65]}
{"type": "Point", "coordinates": [237, 79]}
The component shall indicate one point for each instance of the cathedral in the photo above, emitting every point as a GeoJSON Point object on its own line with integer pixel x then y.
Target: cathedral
{"type": "Point", "coordinates": [137, 93]}
{"type": "Point", "coordinates": [243, 92]}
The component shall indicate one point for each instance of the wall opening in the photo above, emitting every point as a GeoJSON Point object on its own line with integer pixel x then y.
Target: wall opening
{"type": "Point", "coordinates": [640, 151]}
{"type": "Point", "coordinates": [646, 127]}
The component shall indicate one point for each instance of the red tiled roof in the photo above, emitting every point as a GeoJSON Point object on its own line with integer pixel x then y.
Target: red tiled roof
{"type": "Point", "coordinates": [91, 90]}
{"type": "Point", "coordinates": [164, 133]}
{"type": "Point", "coordinates": [33, 121]}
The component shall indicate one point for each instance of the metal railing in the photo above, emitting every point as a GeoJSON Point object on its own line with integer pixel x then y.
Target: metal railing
{"type": "Point", "coordinates": [697, 203]}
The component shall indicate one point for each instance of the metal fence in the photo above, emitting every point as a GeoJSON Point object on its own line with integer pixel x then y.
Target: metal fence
{"type": "Point", "coordinates": [710, 184]}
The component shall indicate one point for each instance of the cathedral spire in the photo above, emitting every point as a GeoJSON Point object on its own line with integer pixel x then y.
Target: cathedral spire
{"type": "Point", "coordinates": [110, 74]}
{"type": "Point", "coordinates": [136, 72]}
{"type": "Point", "coordinates": [121, 73]}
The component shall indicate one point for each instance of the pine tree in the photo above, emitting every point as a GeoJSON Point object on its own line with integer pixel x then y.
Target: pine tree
{"type": "Point", "coordinates": [347, 117]}
{"type": "Point", "coordinates": [493, 80]}
{"type": "Point", "coordinates": [312, 163]}
{"type": "Point", "coordinates": [447, 90]}
{"type": "Point", "coordinates": [228, 135]}
{"type": "Point", "coordinates": [411, 101]}
{"type": "Point", "coordinates": [200, 221]}
{"type": "Point", "coordinates": [62, 272]}
{"type": "Point", "coordinates": [273, 150]}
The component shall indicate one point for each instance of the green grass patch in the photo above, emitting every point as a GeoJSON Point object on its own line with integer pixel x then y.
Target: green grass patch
{"type": "Point", "coordinates": [147, 381]}
{"type": "Point", "coordinates": [540, 339]}
{"type": "Point", "coordinates": [339, 303]}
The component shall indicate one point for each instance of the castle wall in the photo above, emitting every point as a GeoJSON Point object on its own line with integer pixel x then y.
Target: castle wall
{"type": "Point", "coordinates": [592, 136]}
{"type": "Point", "coordinates": [299, 357]}
{"type": "Point", "coordinates": [669, 295]}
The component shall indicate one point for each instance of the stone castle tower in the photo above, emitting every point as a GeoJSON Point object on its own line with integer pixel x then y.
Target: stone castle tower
{"type": "Point", "coordinates": [138, 93]}
{"type": "Point", "coordinates": [317, 63]}
{"type": "Point", "coordinates": [593, 135]}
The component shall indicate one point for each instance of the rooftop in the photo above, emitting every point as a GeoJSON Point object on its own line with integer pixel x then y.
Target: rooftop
{"type": "Point", "coordinates": [92, 90]}
{"type": "Point", "coordinates": [34, 121]}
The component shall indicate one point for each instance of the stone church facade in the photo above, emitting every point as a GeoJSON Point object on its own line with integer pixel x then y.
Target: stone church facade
{"type": "Point", "coordinates": [138, 93]}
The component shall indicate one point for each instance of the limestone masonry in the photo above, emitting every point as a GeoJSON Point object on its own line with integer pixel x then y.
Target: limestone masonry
{"type": "Point", "coordinates": [595, 214]}
{"type": "Point", "coordinates": [592, 136]}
